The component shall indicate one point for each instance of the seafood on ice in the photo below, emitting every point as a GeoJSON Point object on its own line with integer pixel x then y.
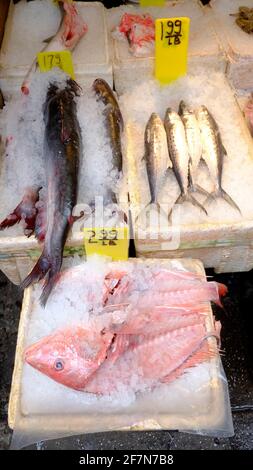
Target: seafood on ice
{"type": "Point", "coordinates": [47, 210]}
{"type": "Point", "coordinates": [62, 154]}
{"type": "Point", "coordinates": [139, 31]}
{"type": "Point", "coordinates": [149, 328]}
{"type": "Point", "coordinates": [192, 136]}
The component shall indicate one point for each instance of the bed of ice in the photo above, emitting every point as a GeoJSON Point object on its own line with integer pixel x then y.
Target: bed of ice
{"type": "Point", "coordinates": [23, 164]}
{"type": "Point", "coordinates": [190, 396]}
{"type": "Point", "coordinates": [212, 90]}
{"type": "Point", "coordinates": [231, 35]}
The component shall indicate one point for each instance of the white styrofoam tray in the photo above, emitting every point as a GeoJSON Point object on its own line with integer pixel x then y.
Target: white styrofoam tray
{"type": "Point", "coordinates": [237, 44]}
{"type": "Point", "coordinates": [29, 23]}
{"type": "Point", "coordinates": [196, 401]}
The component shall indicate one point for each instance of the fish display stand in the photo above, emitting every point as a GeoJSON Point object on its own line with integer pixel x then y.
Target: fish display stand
{"type": "Point", "coordinates": [56, 424]}
{"type": "Point", "coordinates": [226, 247]}
{"type": "Point", "coordinates": [236, 43]}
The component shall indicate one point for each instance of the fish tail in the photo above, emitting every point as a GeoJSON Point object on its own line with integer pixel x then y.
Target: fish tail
{"type": "Point", "coordinates": [38, 272]}
{"type": "Point", "coordinates": [148, 207]}
{"type": "Point", "coordinates": [196, 188]}
{"type": "Point", "coordinates": [49, 284]}
{"type": "Point", "coordinates": [189, 198]}
{"type": "Point", "coordinates": [221, 193]}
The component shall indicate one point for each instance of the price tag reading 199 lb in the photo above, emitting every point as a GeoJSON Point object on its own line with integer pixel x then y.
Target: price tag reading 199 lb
{"type": "Point", "coordinates": [171, 47]}
{"type": "Point", "coordinates": [112, 242]}
{"type": "Point", "coordinates": [62, 59]}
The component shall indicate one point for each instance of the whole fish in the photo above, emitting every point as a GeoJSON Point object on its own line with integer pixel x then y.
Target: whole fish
{"type": "Point", "coordinates": [70, 356]}
{"type": "Point", "coordinates": [193, 139]}
{"type": "Point", "coordinates": [213, 154]}
{"type": "Point", "coordinates": [62, 147]}
{"type": "Point", "coordinates": [179, 154]}
{"type": "Point", "coordinates": [156, 156]}
{"type": "Point", "coordinates": [114, 125]}
{"type": "Point", "coordinates": [71, 30]}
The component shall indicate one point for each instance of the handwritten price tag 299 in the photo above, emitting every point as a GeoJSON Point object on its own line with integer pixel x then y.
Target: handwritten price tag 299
{"type": "Point", "coordinates": [62, 59]}
{"type": "Point", "coordinates": [112, 242]}
{"type": "Point", "coordinates": [171, 48]}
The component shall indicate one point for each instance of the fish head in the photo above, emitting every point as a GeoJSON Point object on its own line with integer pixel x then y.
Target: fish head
{"type": "Point", "coordinates": [172, 118]}
{"type": "Point", "coordinates": [69, 356]}
{"type": "Point", "coordinates": [100, 87]}
{"type": "Point", "coordinates": [155, 120]}
{"type": "Point", "coordinates": [202, 111]}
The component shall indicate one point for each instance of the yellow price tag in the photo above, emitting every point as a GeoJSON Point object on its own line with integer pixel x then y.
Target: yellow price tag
{"type": "Point", "coordinates": [62, 59]}
{"type": "Point", "coordinates": [112, 242]}
{"type": "Point", "coordinates": [57, 1]}
{"type": "Point", "coordinates": [152, 3]}
{"type": "Point", "coordinates": [171, 47]}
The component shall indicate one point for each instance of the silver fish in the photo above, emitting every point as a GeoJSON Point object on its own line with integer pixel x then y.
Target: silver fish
{"type": "Point", "coordinates": [213, 154]}
{"type": "Point", "coordinates": [193, 139]}
{"type": "Point", "coordinates": [156, 156]}
{"type": "Point", "coordinates": [179, 154]}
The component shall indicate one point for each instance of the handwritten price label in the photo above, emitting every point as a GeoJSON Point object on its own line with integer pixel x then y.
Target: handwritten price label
{"type": "Point", "coordinates": [152, 3]}
{"type": "Point", "coordinates": [51, 59]}
{"type": "Point", "coordinates": [112, 242]}
{"type": "Point", "coordinates": [171, 48]}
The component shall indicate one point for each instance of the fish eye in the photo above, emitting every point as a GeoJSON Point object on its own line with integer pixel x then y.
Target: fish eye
{"type": "Point", "coordinates": [59, 364]}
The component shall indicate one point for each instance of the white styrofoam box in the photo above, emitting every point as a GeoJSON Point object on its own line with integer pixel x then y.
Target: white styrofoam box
{"type": "Point", "coordinates": [237, 44]}
{"type": "Point", "coordinates": [40, 408]}
{"type": "Point", "coordinates": [30, 23]}
{"type": "Point", "coordinates": [204, 48]}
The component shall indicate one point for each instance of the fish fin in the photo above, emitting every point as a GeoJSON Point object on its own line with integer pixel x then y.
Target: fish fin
{"type": "Point", "coordinates": [189, 198]}
{"type": "Point", "coordinates": [49, 284]}
{"type": "Point", "coordinates": [205, 353]}
{"type": "Point", "coordinates": [221, 193]}
{"type": "Point", "coordinates": [73, 218]}
{"type": "Point", "coordinates": [47, 40]}
{"type": "Point", "coordinates": [196, 188]}
{"type": "Point", "coordinates": [148, 207]}
{"type": "Point", "coordinates": [38, 272]}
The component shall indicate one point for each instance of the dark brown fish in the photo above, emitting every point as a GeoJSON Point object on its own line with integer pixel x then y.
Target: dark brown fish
{"type": "Point", "coordinates": [114, 123]}
{"type": "Point", "coordinates": [61, 152]}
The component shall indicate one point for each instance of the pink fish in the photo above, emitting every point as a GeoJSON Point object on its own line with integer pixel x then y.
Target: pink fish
{"type": "Point", "coordinates": [70, 356]}
{"type": "Point", "coordinates": [139, 31]}
{"type": "Point", "coordinates": [186, 295]}
{"type": "Point", "coordinates": [158, 320]}
{"type": "Point", "coordinates": [151, 362]}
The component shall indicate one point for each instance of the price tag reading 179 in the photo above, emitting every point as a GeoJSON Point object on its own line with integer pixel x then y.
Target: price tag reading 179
{"type": "Point", "coordinates": [112, 242]}
{"type": "Point", "coordinates": [50, 59]}
{"type": "Point", "coordinates": [171, 48]}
